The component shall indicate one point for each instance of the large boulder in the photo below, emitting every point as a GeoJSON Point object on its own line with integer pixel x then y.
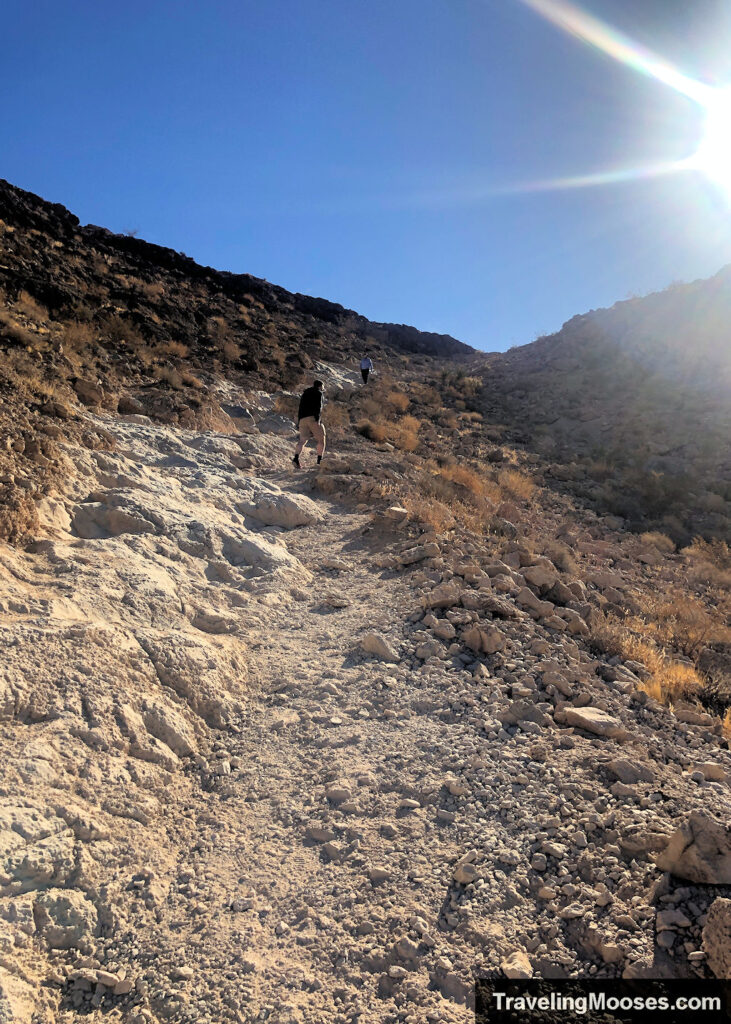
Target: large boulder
{"type": "Point", "coordinates": [717, 938]}
{"type": "Point", "coordinates": [273, 507]}
{"type": "Point", "coordinates": [699, 850]}
{"type": "Point", "coordinates": [601, 723]}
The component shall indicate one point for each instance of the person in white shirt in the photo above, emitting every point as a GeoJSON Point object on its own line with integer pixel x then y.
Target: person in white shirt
{"type": "Point", "coordinates": [365, 367]}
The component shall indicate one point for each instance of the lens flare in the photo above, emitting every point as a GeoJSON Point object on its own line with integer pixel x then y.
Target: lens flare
{"type": "Point", "coordinates": [616, 44]}
{"type": "Point", "coordinates": [713, 157]}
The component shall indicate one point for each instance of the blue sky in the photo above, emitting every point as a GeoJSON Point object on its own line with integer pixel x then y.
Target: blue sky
{"type": "Point", "coordinates": [366, 152]}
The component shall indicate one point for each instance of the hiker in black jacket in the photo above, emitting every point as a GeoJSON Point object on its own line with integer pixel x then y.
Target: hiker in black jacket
{"type": "Point", "coordinates": [308, 421]}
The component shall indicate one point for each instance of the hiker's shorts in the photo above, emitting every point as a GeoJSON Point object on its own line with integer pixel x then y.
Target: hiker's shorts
{"type": "Point", "coordinates": [310, 428]}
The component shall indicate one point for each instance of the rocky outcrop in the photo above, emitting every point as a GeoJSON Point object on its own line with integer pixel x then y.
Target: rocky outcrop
{"type": "Point", "coordinates": [700, 850]}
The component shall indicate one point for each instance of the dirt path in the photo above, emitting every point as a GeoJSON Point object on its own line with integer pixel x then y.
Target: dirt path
{"type": "Point", "coordinates": [218, 808]}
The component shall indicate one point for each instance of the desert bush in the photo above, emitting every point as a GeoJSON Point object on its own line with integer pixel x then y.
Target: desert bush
{"type": "Point", "coordinates": [174, 349]}
{"type": "Point", "coordinates": [398, 401]}
{"type": "Point", "coordinates": [517, 484]}
{"type": "Point", "coordinates": [231, 351]}
{"type": "Point", "coordinates": [470, 386]}
{"type": "Point", "coordinates": [429, 511]}
{"type": "Point", "coordinates": [77, 337]}
{"type": "Point", "coordinates": [561, 557]}
{"type": "Point", "coordinates": [658, 540]}
{"type": "Point", "coordinates": [191, 381]}
{"type": "Point", "coordinates": [170, 375]}
{"type": "Point", "coordinates": [371, 430]}
{"type": "Point", "coordinates": [669, 680]}
{"type": "Point", "coordinates": [18, 515]}
{"type": "Point", "coordinates": [14, 332]}
{"type": "Point", "coordinates": [715, 552]}
{"type": "Point", "coordinates": [336, 419]}
{"type": "Point", "coordinates": [287, 405]}
{"type": "Point", "coordinates": [30, 308]}
{"type": "Point", "coordinates": [152, 290]}
{"type": "Point", "coordinates": [371, 408]}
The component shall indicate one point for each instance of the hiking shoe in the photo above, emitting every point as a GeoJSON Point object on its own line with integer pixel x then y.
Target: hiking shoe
{"type": "Point", "coordinates": [296, 461]}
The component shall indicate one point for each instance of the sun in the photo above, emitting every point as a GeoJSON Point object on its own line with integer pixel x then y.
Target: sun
{"type": "Point", "coordinates": [713, 156]}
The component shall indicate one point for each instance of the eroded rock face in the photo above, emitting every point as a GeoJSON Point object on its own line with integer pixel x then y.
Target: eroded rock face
{"type": "Point", "coordinates": [717, 938]}
{"type": "Point", "coordinates": [700, 851]}
{"type": "Point", "coordinates": [65, 917]}
{"type": "Point", "coordinates": [271, 506]}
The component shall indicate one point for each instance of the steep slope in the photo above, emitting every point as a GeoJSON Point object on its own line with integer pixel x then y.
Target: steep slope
{"type": "Point", "coordinates": [271, 755]}
{"type": "Point", "coordinates": [632, 404]}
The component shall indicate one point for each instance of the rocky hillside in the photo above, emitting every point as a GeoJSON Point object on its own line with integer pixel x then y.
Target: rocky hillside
{"type": "Point", "coordinates": [316, 747]}
{"type": "Point", "coordinates": [632, 405]}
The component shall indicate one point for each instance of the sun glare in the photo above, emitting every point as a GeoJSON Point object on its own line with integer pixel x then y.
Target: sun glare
{"type": "Point", "coordinates": [713, 156]}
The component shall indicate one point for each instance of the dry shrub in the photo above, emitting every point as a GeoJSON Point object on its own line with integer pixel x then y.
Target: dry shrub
{"type": "Point", "coordinates": [30, 308]}
{"type": "Point", "coordinates": [371, 430]}
{"type": "Point", "coordinates": [398, 401]}
{"type": "Point", "coordinates": [191, 381]}
{"type": "Point", "coordinates": [668, 680]}
{"type": "Point", "coordinates": [658, 540]}
{"type": "Point", "coordinates": [405, 433]}
{"type": "Point", "coordinates": [336, 419]}
{"type": "Point", "coordinates": [714, 552]}
{"type": "Point", "coordinates": [77, 337]}
{"type": "Point", "coordinates": [371, 408]}
{"type": "Point", "coordinates": [152, 290]}
{"type": "Point", "coordinates": [680, 621]}
{"type": "Point", "coordinates": [287, 405]}
{"type": "Point", "coordinates": [174, 349]}
{"type": "Point", "coordinates": [231, 351]}
{"type": "Point", "coordinates": [429, 511]}
{"type": "Point", "coordinates": [471, 386]}
{"type": "Point", "coordinates": [561, 557]}
{"type": "Point", "coordinates": [517, 484]}
{"type": "Point", "coordinates": [170, 375]}
{"type": "Point", "coordinates": [472, 416]}
{"type": "Point", "coordinates": [13, 331]}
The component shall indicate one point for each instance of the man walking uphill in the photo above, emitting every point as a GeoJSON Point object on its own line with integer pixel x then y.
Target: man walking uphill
{"type": "Point", "coordinates": [366, 366]}
{"type": "Point", "coordinates": [308, 421]}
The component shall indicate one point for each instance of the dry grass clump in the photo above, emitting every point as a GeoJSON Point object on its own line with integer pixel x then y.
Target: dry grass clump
{"type": "Point", "coordinates": [372, 430]}
{"type": "Point", "coordinates": [517, 484]}
{"type": "Point", "coordinates": [28, 306]}
{"type": "Point", "coordinates": [668, 680]}
{"type": "Point", "coordinates": [174, 349]}
{"type": "Point", "coordinates": [231, 351]}
{"type": "Point", "coordinates": [561, 557]}
{"type": "Point", "coordinates": [682, 622]}
{"type": "Point", "coordinates": [404, 434]}
{"type": "Point", "coordinates": [336, 419]}
{"type": "Point", "coordinates": [470, 386]}
{"type": "Point", "coordinates": [287, 405]}
{"type": "Point", "coordinates": [152, 290]}
{"type": "Point", "coordinates": [658, 540]}
{"type": "Point", "coordinates": [78, 337]}
{"type": "Point", "coordinates": [398, 401]}
{"type": "Point", "coordinates": [170, 375]}
{"type": "Point", "coordinates": [13, 331]}
{"type": "Point", "coordinates": [715, 552]}
{"type": "Point", "coordinates": [429, 511]}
